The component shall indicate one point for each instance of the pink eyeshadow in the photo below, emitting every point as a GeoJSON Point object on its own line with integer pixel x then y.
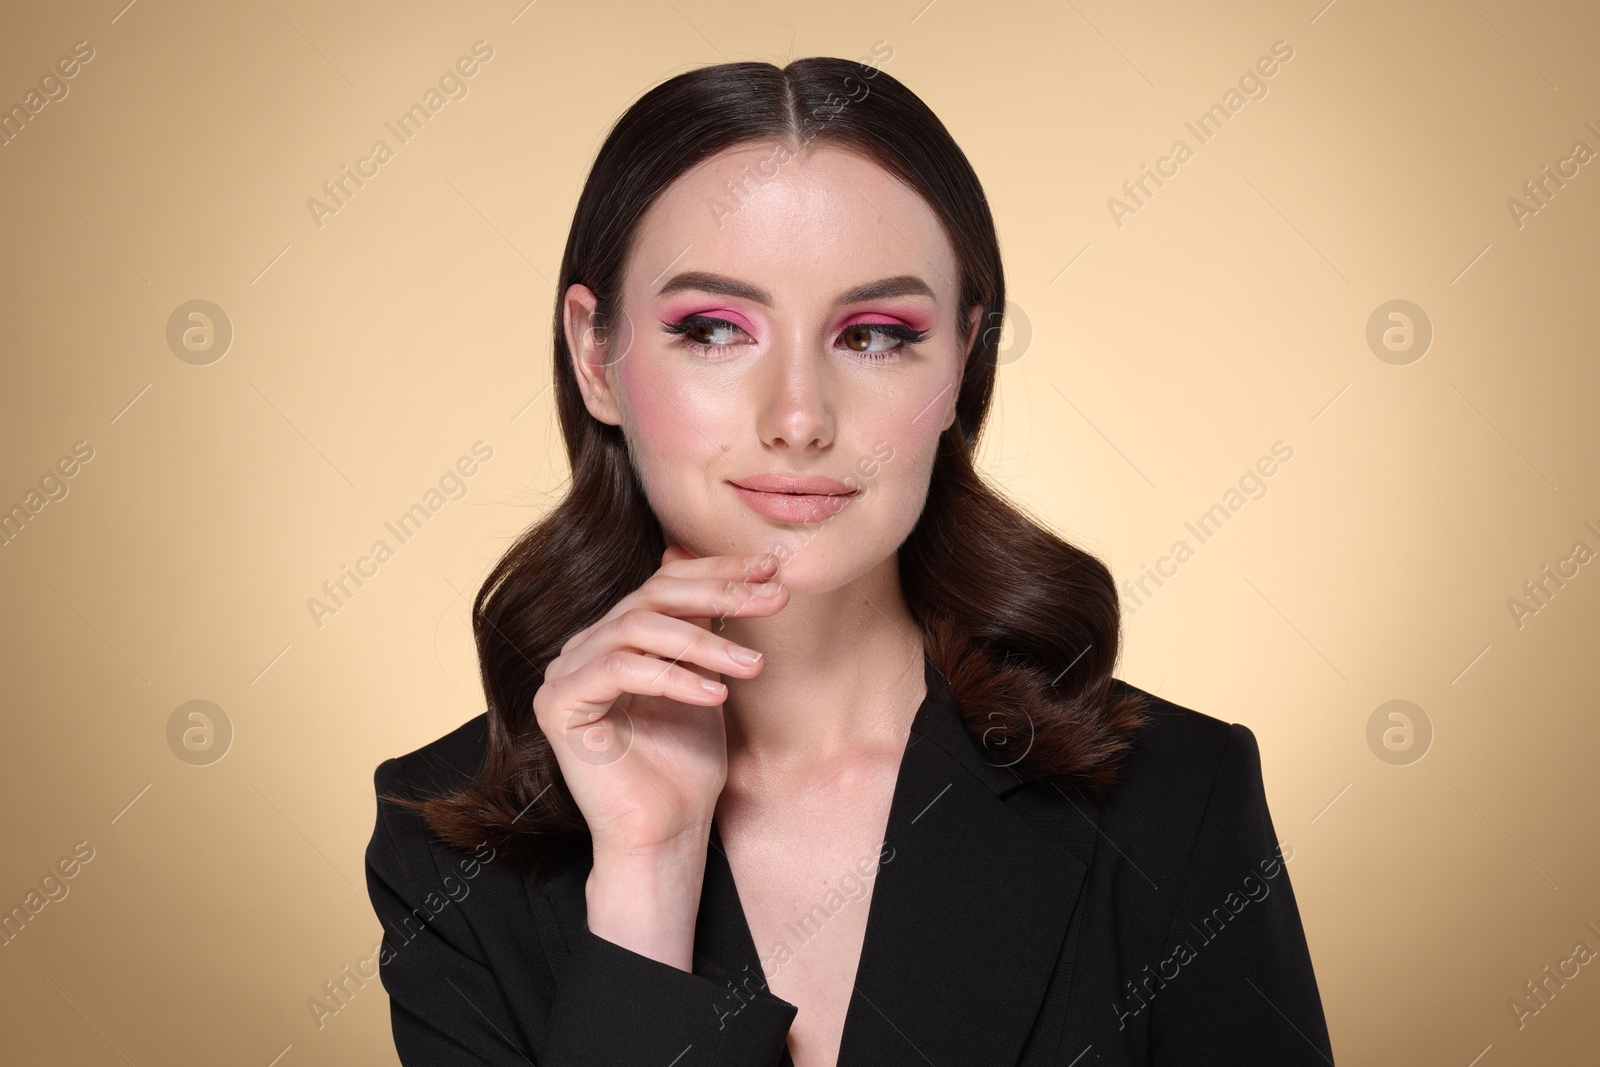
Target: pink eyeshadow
{"type": "Point", "coordinates": [674, 315]}
{"type": "Point", "coordinates": [914, 319]}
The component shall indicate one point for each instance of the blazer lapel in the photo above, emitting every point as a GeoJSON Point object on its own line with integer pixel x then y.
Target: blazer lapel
{"type": "Point", "coordinates": [968, 916]}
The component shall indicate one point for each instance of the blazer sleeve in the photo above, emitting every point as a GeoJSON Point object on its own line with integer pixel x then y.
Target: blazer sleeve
{"type": "Point", "coordinates": [1239, 987]}
{"type": "Point", "coordinates": [609, 1005]}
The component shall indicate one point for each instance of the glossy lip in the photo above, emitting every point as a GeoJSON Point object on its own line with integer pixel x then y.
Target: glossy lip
{"type": "Point", "coordinates": [794, 498]}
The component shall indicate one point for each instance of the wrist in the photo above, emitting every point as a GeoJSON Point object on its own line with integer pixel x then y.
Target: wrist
{"type": "Point", "coordinates": [647, 903]}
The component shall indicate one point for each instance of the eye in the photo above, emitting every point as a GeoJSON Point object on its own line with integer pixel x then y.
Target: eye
{"type": "Point", "coordinates": [858, 338]}
{"type": "Point", "coordinates": [698, 332]}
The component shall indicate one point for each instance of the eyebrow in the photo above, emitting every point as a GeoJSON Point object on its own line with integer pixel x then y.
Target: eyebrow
{"type": "Point", "coordinates": [707, 282]}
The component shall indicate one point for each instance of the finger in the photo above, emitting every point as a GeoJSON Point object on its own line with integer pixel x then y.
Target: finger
{"type": "Point", "coordinates": [586, 694]}
{"type": "Point", "coordinates": [724, 566]}
{"type": "Point", "coordinates": [671, 639]}
{"type": "Point", "coordinates": [704, 598]}
{"type": "Point", "coordinates": [721, 571]}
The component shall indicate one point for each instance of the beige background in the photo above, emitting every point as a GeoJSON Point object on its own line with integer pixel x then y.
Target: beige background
{"type": "Point", "coordinates": [1166, 355]}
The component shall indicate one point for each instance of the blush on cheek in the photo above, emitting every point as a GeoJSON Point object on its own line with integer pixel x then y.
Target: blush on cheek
{"type": "Point", "coordinates": [921, 420]}
{"type": "Point", "coordinates": [672, 413]}
{"type": "Point", "coordinates": [675, 439]}
{"type": "Point", "coordinates": [648, 395]}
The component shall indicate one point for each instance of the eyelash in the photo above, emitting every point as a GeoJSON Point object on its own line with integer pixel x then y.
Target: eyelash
{"type": "Point", "coordinates": [904, 334]}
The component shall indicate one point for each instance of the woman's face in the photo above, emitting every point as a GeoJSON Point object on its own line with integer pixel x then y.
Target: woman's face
{"type": "Point", "coordinates": [783, 318]}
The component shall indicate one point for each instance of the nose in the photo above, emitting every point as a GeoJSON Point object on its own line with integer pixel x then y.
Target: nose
{"type": "Point", "coordinates": [794, 407]}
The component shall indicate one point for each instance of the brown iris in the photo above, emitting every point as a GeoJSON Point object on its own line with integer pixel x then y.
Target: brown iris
{"type": "Point", "coordinates": [864, 333]}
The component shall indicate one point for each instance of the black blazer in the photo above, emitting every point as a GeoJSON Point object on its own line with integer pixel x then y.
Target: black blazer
{"type": "Point", "coordinates": [1010, 922]}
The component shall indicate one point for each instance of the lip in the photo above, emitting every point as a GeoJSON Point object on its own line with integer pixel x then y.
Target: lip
{"type": "Point", "coordinates": [794, 498]}
{"type": "Point", "coordinates": [809, 484]}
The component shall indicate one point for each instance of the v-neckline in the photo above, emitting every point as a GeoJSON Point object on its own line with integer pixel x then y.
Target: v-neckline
{"type": "Point", "coordinates": [730, 944]}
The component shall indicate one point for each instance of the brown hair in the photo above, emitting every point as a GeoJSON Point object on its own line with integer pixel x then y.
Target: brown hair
{"type": "Point", "coordinates": [1022, 625]}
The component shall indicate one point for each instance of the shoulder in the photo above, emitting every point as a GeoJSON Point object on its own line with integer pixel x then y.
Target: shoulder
{"type": "Point", "coordinates": [1179, 751]}
{"type": "Point", "coordinates": [1186, 771]}
{"type": "Point", "coordinates": [403, 851]}
{"type": "Point", "coordinates": [439, 766]}
{"type": "Point", "coordinates": [1195, 853]}
{"type": "Point", "coordinates": [415, 876]}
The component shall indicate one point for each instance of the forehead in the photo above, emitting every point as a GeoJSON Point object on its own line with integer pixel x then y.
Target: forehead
{"type": "Point", "coordinates": [803, 227]}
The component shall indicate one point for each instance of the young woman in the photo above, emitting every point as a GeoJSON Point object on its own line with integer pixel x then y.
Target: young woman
{"type": "Point", "coordinates": [802, 743]}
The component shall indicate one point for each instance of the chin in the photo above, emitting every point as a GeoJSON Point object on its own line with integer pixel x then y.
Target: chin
{"type": "Point", "coordinates": [802, 554]}
{"type": "Point", "coordinates": [822, 564]}
{"type": "Point", "coordinates": [810, 559]}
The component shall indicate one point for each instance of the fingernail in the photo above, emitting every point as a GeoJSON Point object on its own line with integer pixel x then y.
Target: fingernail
{"type": "Point", "coordinates": [710, 686]}
{"type": "Point", "coordinates": [744, 655]}
{"type": "Point", "coordinates": [766, 589]}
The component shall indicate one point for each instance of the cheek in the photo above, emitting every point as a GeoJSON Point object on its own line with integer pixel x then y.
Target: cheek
{"type": "Point", "coordinates": [662, 423]}
{"type": "Point", "coordinates": [896, 456]}
{"type": "Point", "coordinates": [914, 423]}
{"type": "Point", "coordinates": [677, 433]}
{"type": "Point", "coordinates": [681, 411]}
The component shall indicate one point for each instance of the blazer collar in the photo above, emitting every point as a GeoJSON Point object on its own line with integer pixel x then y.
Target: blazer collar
{"type": "Point", "coordinates": [968, 913]}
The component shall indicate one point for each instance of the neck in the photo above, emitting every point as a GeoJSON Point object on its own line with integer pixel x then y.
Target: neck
{"type": "Point", "coordinates": [843, 674]}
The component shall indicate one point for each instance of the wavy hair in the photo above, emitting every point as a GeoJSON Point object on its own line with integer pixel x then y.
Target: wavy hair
{"type": "Point", "coordinates": [1023, 626]}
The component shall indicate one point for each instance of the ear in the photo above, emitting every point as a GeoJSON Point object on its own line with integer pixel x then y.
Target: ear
{"type": "Point", "coordinates": [586, 342]}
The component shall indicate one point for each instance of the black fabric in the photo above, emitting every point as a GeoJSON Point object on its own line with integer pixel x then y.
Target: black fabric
{"type": "Point", "coordinates": [1014, 923]}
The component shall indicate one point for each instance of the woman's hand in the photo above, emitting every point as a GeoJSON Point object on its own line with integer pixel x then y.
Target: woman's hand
{"type": "Point", "coordinates": [633, 705]}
